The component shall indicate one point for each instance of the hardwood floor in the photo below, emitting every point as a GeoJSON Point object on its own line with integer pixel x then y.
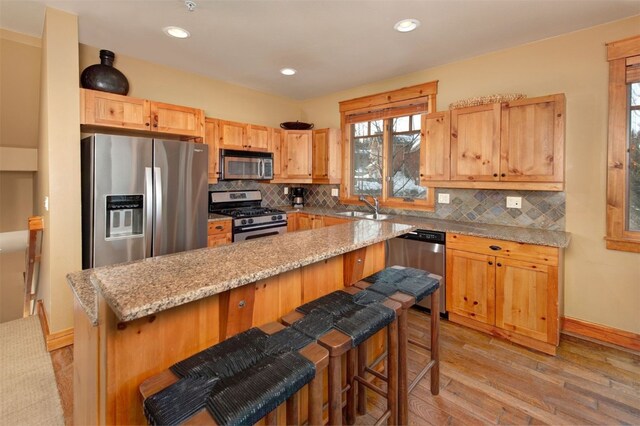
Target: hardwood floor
{"type": "Point", "coordinates": [490, 381]}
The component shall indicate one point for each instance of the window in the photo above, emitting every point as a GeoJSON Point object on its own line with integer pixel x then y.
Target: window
{"type": "Point", "coordinates": [382, 147]}
{"type": "Point", "coordinates": [623, 171]}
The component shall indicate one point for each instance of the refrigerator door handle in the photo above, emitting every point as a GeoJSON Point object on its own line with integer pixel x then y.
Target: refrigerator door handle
{"type": "Point", "coordinates": [148, 206]}
{"type": "Point", "coordinates": [157, 177]}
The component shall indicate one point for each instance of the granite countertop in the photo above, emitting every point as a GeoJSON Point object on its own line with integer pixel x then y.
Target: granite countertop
{"type": "Point", "coordinates": [167, 281]}
{"type": "Point", "coordinates": [501, 232]}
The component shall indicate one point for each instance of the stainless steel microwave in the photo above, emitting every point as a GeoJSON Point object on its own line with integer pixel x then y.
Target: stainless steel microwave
{"type": "Point", "coordinates": [245, 165]}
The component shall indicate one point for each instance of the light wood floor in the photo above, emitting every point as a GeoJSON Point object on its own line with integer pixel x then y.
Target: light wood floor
{"type": "Point", "coordinates": [490, 381]}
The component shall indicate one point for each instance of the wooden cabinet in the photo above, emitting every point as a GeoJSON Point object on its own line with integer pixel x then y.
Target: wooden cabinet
{"type": "Point", "coordinates": [361, 263]}
{"type": "Point", "coordinates": [276, 140]}
{"type": "Point", "coordinates": [297, 150]}
{"type": "Point", "coordinates": [219, 233]}
{"type": "Point", "coordinates": [513, 145]}
{"type": "Point", "coordinates": [475, 143]}
{"type": "Point", "coordinates": [304, 221]}
{"type": "Point", "coordinates": [532, 140]}
{"type": "Point", "coordinates": [243, 136]}
{"type": "Point", "coordinates": [327, 156]}
{"type": "Point", "coordinates": [301, 221]}
{"type": "Point", "coordinates": [108, 110]}
{"type": "Point", "coordinates": [331, 220]}
{"type": "Point", "coordinates": [505, 288]}
{"type": "Point", "coordinates": [211, 139]}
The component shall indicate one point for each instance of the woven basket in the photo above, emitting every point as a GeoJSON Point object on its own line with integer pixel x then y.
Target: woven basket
{"type": "Point", "coordinates": [483, 100]}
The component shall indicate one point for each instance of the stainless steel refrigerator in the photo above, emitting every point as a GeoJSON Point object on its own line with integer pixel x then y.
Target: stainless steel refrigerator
{"type": "Point", "coordinates": [141, 197]}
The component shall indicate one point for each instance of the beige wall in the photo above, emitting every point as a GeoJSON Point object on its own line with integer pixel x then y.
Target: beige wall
{"type": "Point", "coordinates": [19, 109]}
{"type": "Point", "coordinates": [59, 165]}
{"type": "Point", "coordinates": [601, 286]}
{"type": "Point", "coordinates": [217, 98]}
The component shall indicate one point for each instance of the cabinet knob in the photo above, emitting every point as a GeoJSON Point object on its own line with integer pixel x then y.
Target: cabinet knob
{"type": "Point", "coordinates": [359, 261]}
{"type": "Point", "coordinates": [495, 248]}
{"type": "Point", "coordinates": [495, 175]}
{"type": "Point", "coordinates": [490, 263]}
{"type": "Point", "coordinates": [242, 304]}
{"type": "Point", "coordinates": [219, 227]}
{"type": "Point", "coordinates": [503, 175]}
{"type": "Point", "coordinates": [146, 124]}
{"type": "Point", "coordinates": [499, 264]}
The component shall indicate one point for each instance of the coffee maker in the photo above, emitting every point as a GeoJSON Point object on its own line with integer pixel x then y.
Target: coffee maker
{"type": "Point", "coordinates": [297, 197]}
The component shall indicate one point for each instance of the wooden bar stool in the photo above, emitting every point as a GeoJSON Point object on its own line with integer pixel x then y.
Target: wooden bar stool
{"type": "Point", "coordinates": [338, 343]}
{"type": "Point", "coordinates": [430, 286]}
{"type": "Point", "coordinates": [279, 387]}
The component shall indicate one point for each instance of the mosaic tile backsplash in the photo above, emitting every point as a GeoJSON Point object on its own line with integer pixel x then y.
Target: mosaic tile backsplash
{"type": "Point", "coordinates": [540, 209]}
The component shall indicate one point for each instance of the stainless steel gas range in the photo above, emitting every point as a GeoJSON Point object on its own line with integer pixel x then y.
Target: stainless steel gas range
{"type": "Point", "coordinates": [250, 219]}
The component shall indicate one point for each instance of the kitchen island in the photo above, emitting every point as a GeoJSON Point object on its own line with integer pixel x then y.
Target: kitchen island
{"type": "Point", "coordinates": [133, 320]}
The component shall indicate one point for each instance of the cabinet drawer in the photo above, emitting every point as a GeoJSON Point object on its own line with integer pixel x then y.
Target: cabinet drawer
{"type": "Point", "coordinates": [219, 227]}
{"type": "Point", "coordinates": [520, 251]}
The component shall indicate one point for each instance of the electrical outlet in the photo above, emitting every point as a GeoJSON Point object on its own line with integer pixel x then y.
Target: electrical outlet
{"type": "Point", "coordinates": [335, 192]}
{"type": "Point", "coordinates": [46, 203]}
{"type": "Point", "coordinates": [286, 190]}
{"type": "Point", "coordinates": [443, 198]}
{"type": "Point", "coordinates": [514, 202]}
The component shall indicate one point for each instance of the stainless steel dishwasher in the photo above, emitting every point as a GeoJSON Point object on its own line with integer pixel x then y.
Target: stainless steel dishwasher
{"type": "Point", "coordinates": [421, 249]}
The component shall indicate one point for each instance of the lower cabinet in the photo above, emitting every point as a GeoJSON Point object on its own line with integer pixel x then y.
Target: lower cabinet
{"type": "Point", "coordinates": [219, 233]}
{"type": "Point", "coordinates": [505, 288]}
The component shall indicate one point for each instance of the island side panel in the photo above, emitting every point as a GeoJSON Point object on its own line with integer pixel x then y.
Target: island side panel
{"type": "Point", "coordinates": [139, 349]}
{"type": "Point", "coordinates": [86, 369]}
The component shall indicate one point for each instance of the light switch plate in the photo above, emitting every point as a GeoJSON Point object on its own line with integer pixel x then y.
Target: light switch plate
{"type": "Point", "coordinates": [286, 190]}
{"type": "Point", "coordinates": [335, 192]}
{"type": "Point", "coordinates": [443, 198]}
{"type": "Point", "coordinates": [514, 202]}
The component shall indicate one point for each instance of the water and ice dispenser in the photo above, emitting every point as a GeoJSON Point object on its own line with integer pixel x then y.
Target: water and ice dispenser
{"type": "Point", "coordinates": [125, 215]}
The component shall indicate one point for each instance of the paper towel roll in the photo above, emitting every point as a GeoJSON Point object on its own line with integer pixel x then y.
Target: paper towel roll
{"type": "Point", "coordinates": [13, 241]}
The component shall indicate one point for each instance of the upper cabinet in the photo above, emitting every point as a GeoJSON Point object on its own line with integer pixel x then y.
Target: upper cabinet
{"type": "Point", "coordinates": [327, 156]}
{"type": "Point", "coordinates": [243, 136]}
{"type": "Point", "coordinates": [297, 150]}
{"type": "Point", "coordinates": [513, 145]}
{"type": "Point", "coordinates": [108, 110]}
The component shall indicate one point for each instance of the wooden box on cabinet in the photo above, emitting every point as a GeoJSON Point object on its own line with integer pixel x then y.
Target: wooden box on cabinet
{"type": "Point", "coordinates": [505, 288]}
{"type": "Point", "coordinates": [109, 110]}
{"type": "Point", "coordinates": [219, 233]}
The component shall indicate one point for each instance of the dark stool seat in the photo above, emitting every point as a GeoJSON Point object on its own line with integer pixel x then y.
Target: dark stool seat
{"type": "Point", "coordinates": [407, 286]}
{"type": "Point", "coordinates": [341, 321]}
{"type": "Point", "coordinates": [238, 381]}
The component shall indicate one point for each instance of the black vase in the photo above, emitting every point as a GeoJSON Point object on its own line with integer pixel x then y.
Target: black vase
{"type": "Point", "coordinates": [104, 76]}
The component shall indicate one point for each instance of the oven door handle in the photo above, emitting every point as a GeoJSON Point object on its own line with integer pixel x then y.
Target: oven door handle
{"type": "Point", "coordinates": [262, 226]}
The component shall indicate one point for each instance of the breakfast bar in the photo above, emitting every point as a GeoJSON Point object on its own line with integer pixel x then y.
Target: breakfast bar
{"type": "Point", "coordinates": [134, 320]}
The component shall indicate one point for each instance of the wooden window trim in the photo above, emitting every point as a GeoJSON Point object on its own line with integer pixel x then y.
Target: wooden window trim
{"type": "Point", "coordinates": [394, 103]}
{"type": "Point", "coordinates": [618, 52]}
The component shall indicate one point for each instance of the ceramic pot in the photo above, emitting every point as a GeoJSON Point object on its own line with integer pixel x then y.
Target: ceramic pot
{"type": "Point", "coordinates": [104, 76]}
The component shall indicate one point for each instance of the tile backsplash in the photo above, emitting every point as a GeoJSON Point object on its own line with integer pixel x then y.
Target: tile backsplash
{"type": "Point", "coordinates": [540, 209]}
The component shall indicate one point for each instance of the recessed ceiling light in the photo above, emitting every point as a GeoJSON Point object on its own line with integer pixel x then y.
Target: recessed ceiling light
{"type": "Point", "coordinates": [176, 32]}
{"type": "Point", "coordinates": [406, 25]}
{"type": "Point", "coordinates": [288, 71]}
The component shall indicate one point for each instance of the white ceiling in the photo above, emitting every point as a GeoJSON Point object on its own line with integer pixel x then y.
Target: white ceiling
{"type": "Point", "coordinates": [334, 44]}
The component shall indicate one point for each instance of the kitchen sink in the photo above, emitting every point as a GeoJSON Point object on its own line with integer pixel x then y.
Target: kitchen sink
{"type": "Point", "coordinates": [364, 215]}
{"type": "Point", "coordinates": [354, 214]}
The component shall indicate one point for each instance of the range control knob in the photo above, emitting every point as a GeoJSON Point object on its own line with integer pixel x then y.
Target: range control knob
{"type": "Point", "coordinates": [279, 217]}
{"type": "Point", "coordinates": [250, 220]}
{"type": "Point", "coordinates": [274, 218]}
{"type": "Point", "coordinates": [243, 221]}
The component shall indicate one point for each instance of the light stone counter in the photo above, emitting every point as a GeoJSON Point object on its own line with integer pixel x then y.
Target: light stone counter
{"type": "Point", "coordinates": [137, 289]}
{"type": "Point", "coordinates": [501, 232]}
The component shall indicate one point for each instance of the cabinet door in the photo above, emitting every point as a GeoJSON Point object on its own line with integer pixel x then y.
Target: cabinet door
{"type": "Point", "coordinates": [258, 138]}
{"type": "Point", "coordinates": [527, 299]}
{"type": "Point", "coordinates": [177, 120]}
{"type": "Point", "coordinates": [475, 143]}
{"type": "Point", "coordinates": [532, 140]}
{"type": "Point", "coordinates": [435, 146]}
{"type": "Point", "coordinates": [275, 146]}
{"type": "Point", "coordinates": [218, 240]}
{"type": "Point", "coordinates": [320, 169]}
{"type": "Point", "coordinates": [304, 222]}
{"type": "Point", "coordinates": [471, 285]}
{"type": "Point", "coordinates": [330, 220]}
{"type": "Point", "coordinates": [107, 109]}
{"type": "Point", "coordinates": [298, 150]}
{"type": "Point", "coordinates": [317, 222]}
{"type": "Point", "coordinates": [232, 135]}
{"type": "Point", "coordinates": [211, 139]}
{"type": "Point", "coordinates": [292, 222]}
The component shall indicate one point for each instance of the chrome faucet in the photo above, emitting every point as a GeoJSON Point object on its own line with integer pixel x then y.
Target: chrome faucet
{"type": "Point", "coordinates": [375, 206]}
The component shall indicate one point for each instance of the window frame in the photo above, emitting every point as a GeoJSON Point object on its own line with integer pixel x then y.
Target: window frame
{"type": "Point", "coordinates": [618, 55]}
{"type": "Point", "coordinates": [419, 99]}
